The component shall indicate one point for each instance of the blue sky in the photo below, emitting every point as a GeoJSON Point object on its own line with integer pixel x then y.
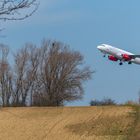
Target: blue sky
{"type": "Point", "coordinates": [83, 25]}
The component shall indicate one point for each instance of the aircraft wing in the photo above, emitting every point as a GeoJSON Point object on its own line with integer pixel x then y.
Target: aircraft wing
{"type": "Point", "coordinates": [134, 56]}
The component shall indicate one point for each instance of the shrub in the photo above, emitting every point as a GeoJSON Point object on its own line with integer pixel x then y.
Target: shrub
{"type": "Point", "coordinates": [130, 102]}
{"type": "Point", "coordinates": [105, 101]}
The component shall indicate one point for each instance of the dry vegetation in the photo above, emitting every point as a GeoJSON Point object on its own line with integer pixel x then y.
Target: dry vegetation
{"type": "Point", "coordinates": [47, 75]}
{"type": "Point", "coordinates": [67, 123]}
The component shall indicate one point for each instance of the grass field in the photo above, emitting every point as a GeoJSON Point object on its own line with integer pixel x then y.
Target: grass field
{"type": "Point", "coordinates": [68, 123]}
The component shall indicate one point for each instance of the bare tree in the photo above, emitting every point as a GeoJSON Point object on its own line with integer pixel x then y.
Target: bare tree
{"type": "Point", "coordinates": [47, 76]}
{"type": "Point", "coordinates": [26, 65]}
{"type": "Point", "coordinates": [21, 59]}
{"type": "Point", "coordinates": [5, 76]}
{"type": "Point", "coordinates": [31, 73]}
{"type": "Point", "coordinates": [17, 9]}
{"type": "Point", "coordinates": [61, 74]}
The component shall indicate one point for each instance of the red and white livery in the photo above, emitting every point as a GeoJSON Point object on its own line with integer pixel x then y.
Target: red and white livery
{"type": "Point", "coordinates": [116, 54]}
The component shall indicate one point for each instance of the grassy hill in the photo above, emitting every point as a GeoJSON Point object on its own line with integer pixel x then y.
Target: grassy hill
{"type": "Point", "coordinates": [69, 123]}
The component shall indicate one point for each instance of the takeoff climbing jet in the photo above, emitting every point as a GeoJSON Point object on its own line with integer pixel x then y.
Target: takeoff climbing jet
{"type": "Point", "coordinates": [116, 54]}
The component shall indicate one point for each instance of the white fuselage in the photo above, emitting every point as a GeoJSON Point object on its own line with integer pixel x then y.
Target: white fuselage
{"type": "Point", "coordinates": [116, 52]}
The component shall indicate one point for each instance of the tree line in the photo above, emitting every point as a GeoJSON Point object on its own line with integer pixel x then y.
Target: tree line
{"type": "Point", "coordinates": [49, 75]}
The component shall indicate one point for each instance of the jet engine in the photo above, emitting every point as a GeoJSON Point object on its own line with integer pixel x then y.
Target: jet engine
{"type": "Point", "coordinates": [126, 57]}
{"type": "Point", "coordinates": [112, 58]}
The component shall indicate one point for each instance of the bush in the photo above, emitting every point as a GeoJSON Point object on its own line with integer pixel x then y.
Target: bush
{"type": "Point", "coordinates": [130, 102]}
{"type": "Point", "coordinates": [105, 101]}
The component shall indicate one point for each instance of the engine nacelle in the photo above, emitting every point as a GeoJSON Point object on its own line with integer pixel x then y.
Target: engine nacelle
{"type": "Point", "coordinates": [126, 57]}
{"type": "Point", "coordinates": [112, 58]}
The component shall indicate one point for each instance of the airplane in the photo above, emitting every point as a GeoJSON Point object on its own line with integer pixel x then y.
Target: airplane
{"type": "Point", "coordinates": [116, 54]}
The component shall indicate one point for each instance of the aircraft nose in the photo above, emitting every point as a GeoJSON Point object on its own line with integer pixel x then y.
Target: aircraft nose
{"type": "Point", "coordinates": [99, 47]}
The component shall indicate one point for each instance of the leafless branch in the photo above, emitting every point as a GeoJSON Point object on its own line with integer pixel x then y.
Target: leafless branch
{"type": "Point", "coordinates": [17, 9]}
